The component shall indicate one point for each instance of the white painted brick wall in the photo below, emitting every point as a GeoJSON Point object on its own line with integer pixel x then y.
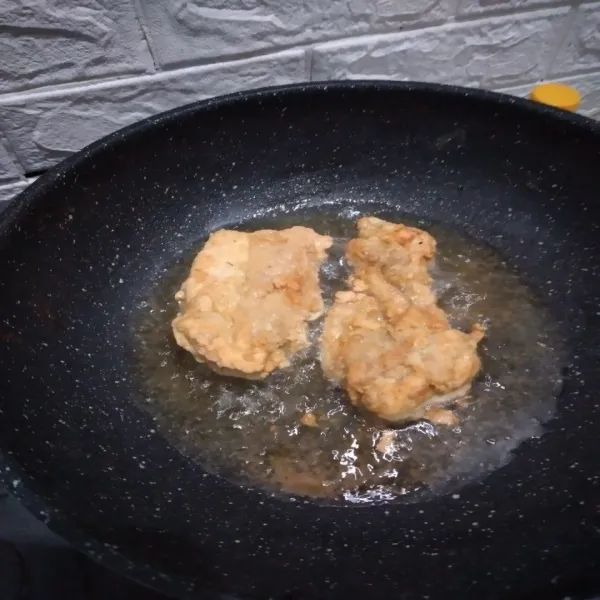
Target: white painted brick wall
{"type": "Point", "coordinates": [45, 42]}
{"type": "Point", "coordinates": [10, 170]}
{"type": "Point", "coordinates": [581, 49]}
{"type": "Point", "coordinates": [71, 72]}
{"type": "Point", "coordinates": [490, 7]}
{"type": "Point", "coordinates": [485, 52]}
{"type": "Point", "coordinates": [191, 30]}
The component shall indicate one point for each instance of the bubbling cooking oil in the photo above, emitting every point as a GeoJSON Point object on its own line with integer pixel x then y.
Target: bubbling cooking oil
{"type": "Point", "coordinates": [296, 433]}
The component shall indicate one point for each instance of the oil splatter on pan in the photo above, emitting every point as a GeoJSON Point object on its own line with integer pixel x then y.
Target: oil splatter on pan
{"type": "Point", "coordinates": [255, 432]}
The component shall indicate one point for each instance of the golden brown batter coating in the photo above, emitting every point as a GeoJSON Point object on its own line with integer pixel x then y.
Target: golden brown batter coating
{"type": "Point", "coordinates": [245, 305]}
{"type": "Point", "coordinates": [386, 341]}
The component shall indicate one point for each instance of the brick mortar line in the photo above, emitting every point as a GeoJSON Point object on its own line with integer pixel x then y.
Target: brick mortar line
{"type": "Point", "coordinates": [138, 10]}
{"type": "Point", "coordinates": [579, 72]}
{"type": "Point", "coordinates": [12, 155]}
{"type": "Point", "coordinates": [182, 66]}
{"type": "Point", "coordinates": [509, 12]}
{"type": "Point", "coordinates": [563, 38]}
{"type": "Point", "coordinates": [383, 33]}
{"type": "Point", "coordinates": [11, 183]}
{"type": "Point", "coordinates": [404, 28]}
{"type": "Point", "coordinates": [309, 55]}
{"type": "Point", "coordinates": [553, 55]}
{"type": "Point", "coordinates": [58, 91]}
{"type": "Point", "coordinates": [451, 24]}
{"type": "Point", "coordinates": [8, 183]}
{"type": "Point", "coordinates": [23, 181]}
{"type": "Point", "coordinates": [74, 83]}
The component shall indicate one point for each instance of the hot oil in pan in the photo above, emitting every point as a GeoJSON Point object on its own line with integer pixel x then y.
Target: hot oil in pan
{"type": "Point", "coordinates": [296, 433]}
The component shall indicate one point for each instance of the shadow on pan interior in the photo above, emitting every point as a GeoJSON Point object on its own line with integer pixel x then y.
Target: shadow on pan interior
{"type": "Point", "coordinates": [188, 481]}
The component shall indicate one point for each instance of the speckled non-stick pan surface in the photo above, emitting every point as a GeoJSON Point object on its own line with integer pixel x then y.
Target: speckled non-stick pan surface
{"type": "Point", "coordinates": [83, 247]}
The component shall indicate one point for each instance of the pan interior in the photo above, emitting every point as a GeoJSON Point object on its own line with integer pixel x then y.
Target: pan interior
{"type": "Point", "coordinates": [251, 432]}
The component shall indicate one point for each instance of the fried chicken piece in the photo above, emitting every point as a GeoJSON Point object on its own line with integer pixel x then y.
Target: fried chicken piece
{"type": "Point", "coordinates": [309, 420]}
{"type": "Point", "coordinates": [386, 440]}
{"type": "Point", "coordinates": [442, 416]}
{"type": "Point", "coordinates": [400, 254]}
{"type": "Point", "coordinates": [244, 308]}
{"type": "Point", "coordinates": [386, 341]}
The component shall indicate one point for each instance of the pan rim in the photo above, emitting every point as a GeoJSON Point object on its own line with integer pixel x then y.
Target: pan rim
{"type": "Point", "coordinates": [20, 204]}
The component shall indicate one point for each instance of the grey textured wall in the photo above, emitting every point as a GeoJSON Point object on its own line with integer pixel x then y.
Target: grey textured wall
{"type": "Point", "coordinates": [71, 72]}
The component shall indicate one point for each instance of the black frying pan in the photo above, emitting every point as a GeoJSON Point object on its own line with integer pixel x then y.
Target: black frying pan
{"type": "Point", "coordinates": [87, 242]}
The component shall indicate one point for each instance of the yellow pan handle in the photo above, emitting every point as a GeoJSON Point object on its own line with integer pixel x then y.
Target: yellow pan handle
{"type": "Point", "coordinates": [557, 95]}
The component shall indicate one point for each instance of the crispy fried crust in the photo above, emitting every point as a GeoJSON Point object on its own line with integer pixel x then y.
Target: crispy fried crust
{"type": "Point", "coordinates": [386, 341]}
{"type": "Point", "coordinates": [245, 305]}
